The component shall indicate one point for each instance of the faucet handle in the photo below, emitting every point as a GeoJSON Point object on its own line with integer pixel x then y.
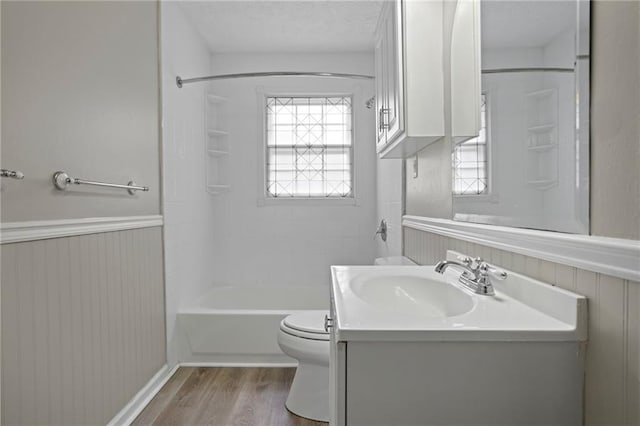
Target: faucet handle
{"type": "Point", "coordinates": [472, 262]}
{"type": "Point", "coordinates": [382, 230]}
{"type": "Point", "coordinates": [490, 270]}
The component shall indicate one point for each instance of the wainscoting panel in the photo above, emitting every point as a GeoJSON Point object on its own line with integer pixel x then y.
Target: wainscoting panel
{"type": "Point", "coordinates": [82, 325]}
{"type": "Point", "coordinates": [612, 385]}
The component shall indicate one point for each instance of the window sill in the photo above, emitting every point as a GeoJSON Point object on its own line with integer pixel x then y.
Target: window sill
{"type": "Point", "coordinates": [485, 198]}
{"type": "Point", "coordinates": [319, 201]}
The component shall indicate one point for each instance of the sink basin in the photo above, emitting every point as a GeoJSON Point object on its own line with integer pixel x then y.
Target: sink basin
{"type": "Point", "coordinates": [415, 303]}
{"type": "Point", "coordinates": [414, 295]}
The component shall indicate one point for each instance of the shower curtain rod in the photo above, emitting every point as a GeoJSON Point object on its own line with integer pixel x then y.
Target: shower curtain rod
{"type": "Point", "coordinates": [180, 81]}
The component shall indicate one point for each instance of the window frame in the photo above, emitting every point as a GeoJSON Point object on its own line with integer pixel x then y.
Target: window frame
{"type": "Point", "coordinates": [264, 199]}
{"type": "Point", "coordinates": [491, 193]}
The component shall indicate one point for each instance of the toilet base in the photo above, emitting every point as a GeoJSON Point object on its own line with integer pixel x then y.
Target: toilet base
{"type": "Point", "coordinates": [309, 393]}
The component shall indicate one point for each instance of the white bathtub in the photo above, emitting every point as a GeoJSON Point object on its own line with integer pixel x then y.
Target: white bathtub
{"type": "Point", "coordinates": [240, 324]}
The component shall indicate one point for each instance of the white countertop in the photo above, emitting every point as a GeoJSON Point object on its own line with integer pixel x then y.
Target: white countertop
{"type": "Point", "coordinates": [523, 309]}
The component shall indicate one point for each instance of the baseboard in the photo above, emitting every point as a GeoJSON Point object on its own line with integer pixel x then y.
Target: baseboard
{"type": "Point", "coordinates": [128, 414]}
{"type": "Point", "coordinates": [234, 360]}
{"type": "Point", "coordinates": [239, 364]}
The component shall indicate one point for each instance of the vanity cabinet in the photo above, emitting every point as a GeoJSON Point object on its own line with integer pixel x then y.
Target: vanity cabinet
{"type": "Point", "coordinates": [438, 383]}
{"type": "Point", "coordinates": [337, 374]}
{"type": "Point", "coordinates": [403, 352]}
{"type": "Point", "coordinates": [409, 77]}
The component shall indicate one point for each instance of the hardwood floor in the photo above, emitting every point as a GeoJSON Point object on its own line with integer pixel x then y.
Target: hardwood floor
{"type": "Point", "coordinates": [226, 396]}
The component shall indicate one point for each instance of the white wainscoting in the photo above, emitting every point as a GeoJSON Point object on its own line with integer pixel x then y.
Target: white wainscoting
{"type": "Point", "coordinates": [15, 232]}
{"type": "Point", "coordinates": [83, 325]}
{"type": "Point", "coordinates": [610, 256]}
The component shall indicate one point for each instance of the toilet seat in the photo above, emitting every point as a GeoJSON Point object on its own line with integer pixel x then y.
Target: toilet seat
{"type": "Point", "coordinates": [306, 325]}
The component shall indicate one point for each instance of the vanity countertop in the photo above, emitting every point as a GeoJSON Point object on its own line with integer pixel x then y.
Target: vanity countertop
{"type": "Point", "coordinates": [414, 303]}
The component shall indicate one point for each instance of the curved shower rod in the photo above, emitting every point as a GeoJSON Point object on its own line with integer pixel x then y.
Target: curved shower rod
{"type": "Point", "coordinates": [180, 81]}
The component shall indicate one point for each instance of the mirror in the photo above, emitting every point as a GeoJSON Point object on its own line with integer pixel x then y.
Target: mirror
{"type": "Point", "coordinates": [529, 166]}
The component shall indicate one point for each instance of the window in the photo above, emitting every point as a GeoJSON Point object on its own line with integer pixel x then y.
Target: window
{"type": "Point", "coordinates": [469, 160]}
{"type": "Point", "coordinates": [309, 147]}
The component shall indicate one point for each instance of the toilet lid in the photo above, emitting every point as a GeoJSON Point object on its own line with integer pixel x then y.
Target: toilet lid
{"type": "Point", "coordinates": [307, 322]}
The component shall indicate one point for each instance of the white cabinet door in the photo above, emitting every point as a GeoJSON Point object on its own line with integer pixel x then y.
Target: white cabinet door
{"type": "Point", "coordinates": [337, 375]}
{"type": "Point", "coordinates": [465, 71]}
{"type": "Point", "coordinates": [388, 77]}
{"type": "Point", "coordinates": [380, 91]}
{"type": "Point", "coordinates": [409, 77]}
{"type": "Point", "coordinates": [393, 59]}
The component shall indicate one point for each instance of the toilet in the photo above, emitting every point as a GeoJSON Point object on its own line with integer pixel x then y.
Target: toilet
{"type": "Point", "coordinates": [302, 336]}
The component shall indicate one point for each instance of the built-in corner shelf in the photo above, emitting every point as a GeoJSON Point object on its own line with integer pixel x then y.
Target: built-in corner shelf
{"type": "Point", "coordinates": [542, 138]}
{"type": "Point", "coordinates": [541, 128]}
{"type": "Point", "coordinates": [217, 152]}
{"type": "Point", "coordinates": [215, 99]}
{"type": "Point", "coordinates": [542, 147]}
{"type": "Point", "coordinates": [217, 189]}
{"type": "Point", "coordinates": [542, 184]}
{"type": "Point", "coordinates": [217, 146]}
{"type": "Point", "coordinates": [216, 133]}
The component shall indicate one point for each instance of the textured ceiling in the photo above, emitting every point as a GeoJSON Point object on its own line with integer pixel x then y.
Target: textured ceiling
{"type": "Point", "coordinates": [285, 26]}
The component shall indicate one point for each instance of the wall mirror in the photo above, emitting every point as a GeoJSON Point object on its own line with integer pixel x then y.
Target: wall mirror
{"type": "Point", "coordinates": [529, 167]}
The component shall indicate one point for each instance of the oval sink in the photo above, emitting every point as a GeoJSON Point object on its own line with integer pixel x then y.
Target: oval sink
{"type": "Point", "coordinates": [412, 295]}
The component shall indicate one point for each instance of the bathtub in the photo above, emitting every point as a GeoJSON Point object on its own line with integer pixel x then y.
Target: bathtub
{"type": "Point", "coordinates": [239, 325]}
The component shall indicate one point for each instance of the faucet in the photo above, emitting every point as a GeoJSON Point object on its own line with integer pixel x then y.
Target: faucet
{"type": "Point", "coordinates": [476, 274]}
{"type": "Point", "coordinates": [382, 230]}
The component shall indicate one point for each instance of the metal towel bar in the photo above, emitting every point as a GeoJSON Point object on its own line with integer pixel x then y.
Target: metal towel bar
{"type": "Point", "coordinates": [62, 180]}
{"type": "Point", "coordinates": [14, 174]}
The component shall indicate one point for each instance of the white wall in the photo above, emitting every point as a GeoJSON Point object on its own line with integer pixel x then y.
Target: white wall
{"type": "Point", "coordinates": [83, 315]}
{"type": "Point", "coordinates": [80, 94]}
{"type": "Point", "coordinates": [289, 245]}
{"type": "Point", "coordinates": [615, 123]}
{"type": "Point", "coordinates": [0, 210]}
{"type": "Point", "coordinates": [188, 209]}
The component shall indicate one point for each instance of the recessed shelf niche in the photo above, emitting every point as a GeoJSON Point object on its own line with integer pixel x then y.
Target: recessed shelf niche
{"type": "Point", "coordinates": [542, 138]}
{"type": "Point", "coordinates": [217, 146]}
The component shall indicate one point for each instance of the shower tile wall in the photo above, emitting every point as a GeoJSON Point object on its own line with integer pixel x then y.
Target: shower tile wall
{"type": "Point", "coordinates": [82, 325]}
{"type": "Point", "coordinates": [612, 391]}
{"type": "Point", "coordinates": [290, 244]}
{"type": "Point", "coordinates": [389, 206]}
{"type": "Point", "coordinates": [187, 208]}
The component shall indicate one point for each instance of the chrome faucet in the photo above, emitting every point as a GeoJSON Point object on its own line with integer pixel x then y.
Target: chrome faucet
{"type": "Point", "coordinates": [476, 274]}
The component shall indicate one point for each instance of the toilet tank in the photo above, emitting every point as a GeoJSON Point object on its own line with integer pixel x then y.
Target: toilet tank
{"type": "Point", "coordinates": [394, 260]}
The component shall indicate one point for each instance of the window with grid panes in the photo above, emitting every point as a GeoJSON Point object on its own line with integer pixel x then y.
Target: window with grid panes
{"type": "Point", "coordinates": [469, 160]}
{"type": "Point", "coordinates": [309, 147]}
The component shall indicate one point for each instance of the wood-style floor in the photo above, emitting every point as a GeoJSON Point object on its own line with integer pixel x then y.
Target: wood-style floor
{"type": "Point", "coordinates": [226, 396]}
